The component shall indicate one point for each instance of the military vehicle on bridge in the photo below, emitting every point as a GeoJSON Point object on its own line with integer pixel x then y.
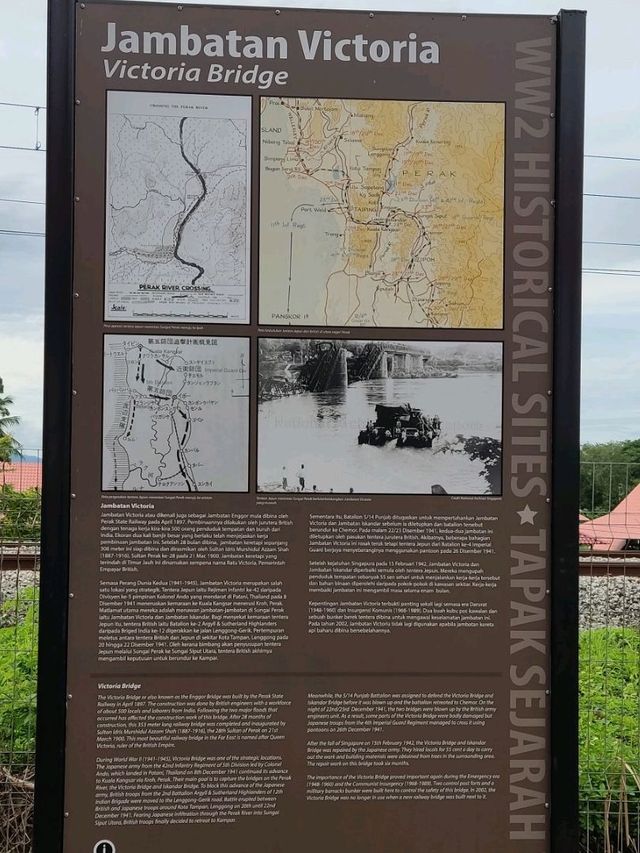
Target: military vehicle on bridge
{"type": "Point", "coordinates": [407, 426]}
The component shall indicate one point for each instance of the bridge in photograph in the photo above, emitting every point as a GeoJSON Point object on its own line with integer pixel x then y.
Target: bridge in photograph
{"type": "Point", "coordinates": [333, 364]}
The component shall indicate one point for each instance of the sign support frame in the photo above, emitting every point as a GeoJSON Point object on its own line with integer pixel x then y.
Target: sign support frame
{"type": "Point", "coordinates": [570, 88]}
{"type": "Point", "coordinates": [57, 498]}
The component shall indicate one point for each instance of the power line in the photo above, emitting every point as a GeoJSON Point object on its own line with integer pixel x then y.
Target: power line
{"type": "Point", "coordinates": [35, 147]}
{"type": "Point", "coordinates": [611, 157]}
{"type": "Point", "coordinates": [22, 201]}
{"type": "Point", "coordinates": [590, 195]}
{"type": "Point", "coordinates": [606, 195]}
{"type": "Point", "coordinates": [594, 242]}
{"type": "Point", "coordinates": [603, 243]}
{"type": "Point", "coordinates": [7, 231]}
{"type": "Point", "coordinates": [619, 274]}
{"type": "Point", "coordinates": [589, 270]}
{"type": "Point", "coordinates": [585, 242]}
{"type": "Point", "coordinates": [611, 269]}
{"type": "Point", "coordinates": [599, 271]}
{"type": "Point", "coordinates": [38, 107]}
{"type": "Point", "coordinates": [24, 106]}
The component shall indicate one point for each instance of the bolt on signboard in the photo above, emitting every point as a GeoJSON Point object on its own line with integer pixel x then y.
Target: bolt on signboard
{"type": "Point", "coordinates": [311, 419]}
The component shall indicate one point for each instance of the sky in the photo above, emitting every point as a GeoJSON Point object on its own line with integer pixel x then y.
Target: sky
{"type": "Point", "coordinates": [611, 303]}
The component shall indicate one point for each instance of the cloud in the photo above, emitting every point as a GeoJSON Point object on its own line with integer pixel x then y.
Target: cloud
{"type": "Point", "coordinates": [611, 295]}
{"type": "Point", "coordinates": [611, 353]}
{"type": "Point", "coordinates": [610, 359]}
{"type": "Point", "coordinates": [21, 369]}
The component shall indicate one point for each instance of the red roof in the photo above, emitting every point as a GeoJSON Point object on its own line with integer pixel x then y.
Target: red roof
{"type": "Point", "coordinates": [610, 532]}
{"type": "Point", "coordinates": [21, 475]}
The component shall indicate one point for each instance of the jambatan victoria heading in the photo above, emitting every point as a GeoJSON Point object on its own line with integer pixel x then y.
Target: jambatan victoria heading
{"type": "Point", "coordinates": [314, 45]}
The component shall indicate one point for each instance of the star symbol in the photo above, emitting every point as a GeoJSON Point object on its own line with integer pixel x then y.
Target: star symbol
{"type": "Point", "coordinates": [526, 515]}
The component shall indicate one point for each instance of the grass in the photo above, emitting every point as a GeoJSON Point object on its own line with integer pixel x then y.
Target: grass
{"type": "Point", "coordinates": [609, 735]}
{"type": "Point", "coordinates": [18, 671]}
{"type": "Point", "coordinates": [609, 730]}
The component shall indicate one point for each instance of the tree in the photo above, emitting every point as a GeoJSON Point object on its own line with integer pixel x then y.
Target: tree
{"type": "Point", "coordinates": [608, 473]}
{"type": "Point", "coordinates": [488, 450]}
{"type": "Point", "coordinates": [9, 446]}
{"type": "Point", "coordinates": [19, 514]}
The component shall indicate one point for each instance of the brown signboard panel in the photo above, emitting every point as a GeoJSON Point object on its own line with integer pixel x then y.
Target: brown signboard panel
{"type": "Point", "coordinates": [310, 471]}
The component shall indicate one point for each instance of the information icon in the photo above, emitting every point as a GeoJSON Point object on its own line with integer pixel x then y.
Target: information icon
{"type": "Point", "coordinates": [105, 847]}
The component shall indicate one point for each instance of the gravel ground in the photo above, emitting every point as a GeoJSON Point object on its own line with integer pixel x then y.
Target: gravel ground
{"type": "Point", "coordinates": [610, 601]}
{"type": "Point", "coordinates": [11, 585]}
{"type": "Point", "coordinates": [13, 582]}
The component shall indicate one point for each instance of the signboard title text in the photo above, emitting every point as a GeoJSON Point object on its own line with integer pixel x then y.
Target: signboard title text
{"type": "Point", "coordinates": [314, 45]}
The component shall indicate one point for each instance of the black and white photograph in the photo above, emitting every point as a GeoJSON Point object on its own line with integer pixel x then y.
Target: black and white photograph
{"type": "Point", "coordinates": [379, 417]}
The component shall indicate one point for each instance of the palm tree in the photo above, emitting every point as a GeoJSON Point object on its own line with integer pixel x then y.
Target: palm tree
{"type": "Point", "coordinates": [9, 446]}
{"type": "Point", "coordinates": [6, 418]}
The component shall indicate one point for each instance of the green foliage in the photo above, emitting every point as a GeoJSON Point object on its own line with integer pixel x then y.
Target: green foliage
{"type": "Point", "coordinates": [609, 737]}
{"type": "Point", "coordinates": [607, 474]}
{"type": "Point", "coordinates": [19, 514]}
{"type": "Point", "coordinates": [8, 444]}
{"type": "Point", "coordinates": [9, 448]}
{"type": "Point", "coordinates": [489, 451]}
{"type": "Point", "coordinates": [18, 670]}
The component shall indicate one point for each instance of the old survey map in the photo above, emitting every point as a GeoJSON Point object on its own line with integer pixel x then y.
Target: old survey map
{"type": "Point", "coordinates": [177, 207]}
{"type": "Point", "coordinates": [381, 213]}
{"type": "Point", "coordinates": [175, 413]}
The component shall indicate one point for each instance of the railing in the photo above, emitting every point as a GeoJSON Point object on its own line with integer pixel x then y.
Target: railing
{"type": "Point", "coordinates": [609, 672]}
{"type": "Point", "coordinates": [609, 562]}
{"type": "Point", "coordinates": [19, 585]}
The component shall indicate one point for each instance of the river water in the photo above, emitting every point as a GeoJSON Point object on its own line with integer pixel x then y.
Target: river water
{"type": "Point", "coordinates": [320, 431]}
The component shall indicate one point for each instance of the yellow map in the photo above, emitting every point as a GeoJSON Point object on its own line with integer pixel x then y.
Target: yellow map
{"type": "Point", "coordinates": [381, 213]}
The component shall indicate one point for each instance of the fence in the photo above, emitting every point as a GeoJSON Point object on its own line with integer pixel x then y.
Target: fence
{"type": "Point", "coordinates": [609, 657]}
{"type": "Point", "coordinates": [19, 583]}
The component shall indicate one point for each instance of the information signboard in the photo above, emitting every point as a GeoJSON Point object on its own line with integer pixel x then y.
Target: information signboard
{"type": "Point", "coordinates": [311, 459]}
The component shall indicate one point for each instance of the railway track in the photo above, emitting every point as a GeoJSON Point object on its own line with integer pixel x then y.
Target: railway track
{"type": "Point", "coordinates": [609, 563]}
{"type": "Point", "coordinates": [16, 556]}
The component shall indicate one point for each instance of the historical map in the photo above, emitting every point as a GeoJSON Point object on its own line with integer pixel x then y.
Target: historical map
{"type": "Point", "coordinates": [175, 414]}
{"type": "Point", "coordinates": [381, 213]}
{"type": "Point", "coordinates": [177, 207]}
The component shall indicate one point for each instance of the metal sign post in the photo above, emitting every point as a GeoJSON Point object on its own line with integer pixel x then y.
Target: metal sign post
{"type": "Point", "coordinates": [311, 430]}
